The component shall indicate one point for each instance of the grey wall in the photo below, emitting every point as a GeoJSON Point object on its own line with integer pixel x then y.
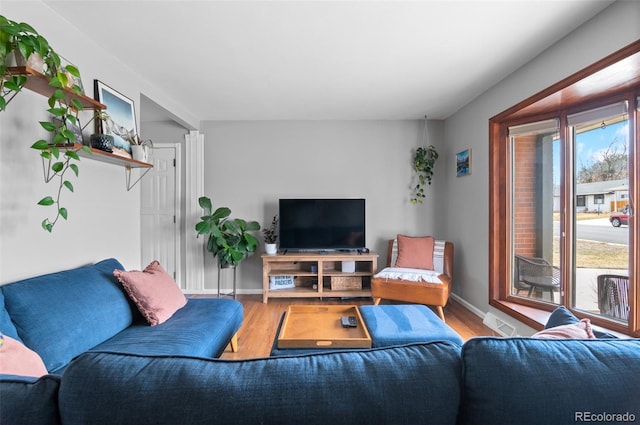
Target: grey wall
{"type": "Point", "coordinates": [249, 165]}
{"type": "Point", "coordinates": [467, 203]}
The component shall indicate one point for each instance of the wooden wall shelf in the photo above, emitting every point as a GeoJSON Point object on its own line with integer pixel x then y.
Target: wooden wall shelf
{"type": "Point", "coordinates": [103, 156]}
{"type": "Point", "coordinates": [109, 158]}
{"type": "Point", "coordinates": [39, 83]}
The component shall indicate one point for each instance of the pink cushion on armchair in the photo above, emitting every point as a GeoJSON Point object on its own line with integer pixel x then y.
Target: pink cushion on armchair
{"type": "Point", "coordinates": [154, 292]}
{"type": "Point", "coordinates": [415, 252]}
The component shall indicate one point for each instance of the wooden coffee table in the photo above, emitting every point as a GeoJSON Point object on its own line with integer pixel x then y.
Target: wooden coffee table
{"type": "Point", "coordinates": [318, 326]}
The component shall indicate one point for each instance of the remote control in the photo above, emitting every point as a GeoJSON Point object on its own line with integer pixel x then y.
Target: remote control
{"type": "Point", "coordinates": [349, 321]}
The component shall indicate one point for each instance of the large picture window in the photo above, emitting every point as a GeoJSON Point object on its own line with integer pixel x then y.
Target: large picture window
{"type": "Point", "coordinates": [563, 181]}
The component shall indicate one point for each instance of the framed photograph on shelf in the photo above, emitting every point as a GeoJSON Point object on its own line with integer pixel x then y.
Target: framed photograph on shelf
{"type": "Point", "coordinates": [121, 123]}
{"type": "Point", "coordinates": [74, 128]}
{"type": "Point", "coordinates": [72, 80]}
{"type": "Point", "coordinates": [463, 163]}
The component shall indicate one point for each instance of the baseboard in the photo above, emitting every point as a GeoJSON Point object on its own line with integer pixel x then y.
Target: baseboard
{"type": "Point", "coordinates": [468, 306]}
{"type": "Point", "coordinates": [489, 319]}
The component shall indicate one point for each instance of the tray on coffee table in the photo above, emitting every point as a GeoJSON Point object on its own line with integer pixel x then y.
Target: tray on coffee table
{"type": "Point", "coordinates": [320, 326]}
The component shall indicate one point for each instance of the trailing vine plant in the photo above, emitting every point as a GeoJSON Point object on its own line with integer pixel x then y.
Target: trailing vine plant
{"type": "Point", "coordinates": [424, 160]}
{"type": "Point", "coordinates": [22, 38]}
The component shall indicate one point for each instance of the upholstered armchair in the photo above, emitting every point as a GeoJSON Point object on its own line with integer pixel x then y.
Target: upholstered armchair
{"type": "Point", "coordinates": [423, 277]}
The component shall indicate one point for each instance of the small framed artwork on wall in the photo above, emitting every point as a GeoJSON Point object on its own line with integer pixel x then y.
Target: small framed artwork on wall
{"type": "Point", "coordinates": [463, 163]}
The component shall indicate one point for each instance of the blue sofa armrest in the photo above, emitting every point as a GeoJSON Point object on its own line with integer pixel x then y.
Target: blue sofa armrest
{"type": "Point", "coordinates": [25, 400]}
{"type": "Point", "coordinates": [530, 381]}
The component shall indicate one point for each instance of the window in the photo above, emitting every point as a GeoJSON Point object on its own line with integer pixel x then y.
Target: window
{"type": "Point", "coordinates": [563, 179]}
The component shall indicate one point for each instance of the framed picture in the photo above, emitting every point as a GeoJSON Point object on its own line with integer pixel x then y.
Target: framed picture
{"type": "Point", "coordinates": [74, 128]}
{"type": "Point", "coordinates": [463, 163]}
{"type": "Point", "coordinates": [121, 123]}
{"type": "Point", "coordinates": [72, 79]}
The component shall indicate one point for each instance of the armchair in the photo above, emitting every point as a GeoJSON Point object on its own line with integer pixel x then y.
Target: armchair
{"type": "Point", "coordinates": [431, 288]}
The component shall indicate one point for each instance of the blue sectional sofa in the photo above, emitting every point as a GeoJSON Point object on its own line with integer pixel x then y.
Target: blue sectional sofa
{"type": "Point", "coordinates": [486, 381]}
{"type": "Point", "coordinates": [110, 367]}
{"type": "Point", "coordinates": [64, 314]}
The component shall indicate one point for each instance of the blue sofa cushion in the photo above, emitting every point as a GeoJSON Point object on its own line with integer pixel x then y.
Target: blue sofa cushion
{"type": "Point", "coordinates": [536, 381]}
{"type": "Point", "coordinates": [27, 401]}
{"type": "Point", "coordinates": [405, 323]}
{"type": "Point", "coordinates": [6, 325]}
{"type": "Point", "coordinates": [203, 327]}
{"type": "Point", "coordinates": [60, 315]}
{"type": "Point", "coordinates": [398, 385]}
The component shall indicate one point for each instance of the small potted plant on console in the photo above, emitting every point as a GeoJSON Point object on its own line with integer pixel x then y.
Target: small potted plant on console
{"type": "Point", "coordinates": [271, 236]}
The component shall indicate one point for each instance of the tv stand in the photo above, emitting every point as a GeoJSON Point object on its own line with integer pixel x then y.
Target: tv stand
{"type": "Point", "coordinates": [326, 279]}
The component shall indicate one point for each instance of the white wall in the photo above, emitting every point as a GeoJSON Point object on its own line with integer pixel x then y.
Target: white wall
{"type": "Point", "coordinates": [467, 205]}
{"type": "Point", "coordinates": [103, 216]}
{"type": "Point", "coordinates": [249, 165]}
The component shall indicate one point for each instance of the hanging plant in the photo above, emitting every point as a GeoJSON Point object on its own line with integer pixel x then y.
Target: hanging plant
{"type": "Point", "coordinates": [20, 38]}
{"type": "Point", "coordinates": [424, 160]}
{"type": "Point", "coordinates": [423, 163]}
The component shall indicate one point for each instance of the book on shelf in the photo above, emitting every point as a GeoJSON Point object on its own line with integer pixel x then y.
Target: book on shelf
{"type": "Point", "coordinates": [121, 152]}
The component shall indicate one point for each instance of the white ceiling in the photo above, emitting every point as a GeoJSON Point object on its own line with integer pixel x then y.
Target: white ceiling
{"type": "Point", "coordinates": [317, 60]}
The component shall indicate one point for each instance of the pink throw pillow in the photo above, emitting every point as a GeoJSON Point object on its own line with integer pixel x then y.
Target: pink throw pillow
{"type": "Point", "coordinates": [17, 359]}
{"type": "Point", "coordinates": [580, 330]}
{"type": "Point", "coordinates": [154, 292]}
{"type": "Point", "coordinates": [415, 252]}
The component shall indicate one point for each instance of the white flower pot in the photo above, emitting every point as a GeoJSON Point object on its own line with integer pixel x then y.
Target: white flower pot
{"type": "Point", "coordinates": [271, 248]}
{"type": "Point", "coordinates": [140, 153]}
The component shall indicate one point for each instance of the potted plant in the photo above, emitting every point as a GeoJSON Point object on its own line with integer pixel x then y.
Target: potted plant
{"type": "Point", "coordinates": [423, 163]}
{"type": "Point", "coordinates": [21, 39]}
{"type": "Point", "coordinates": [140, 148]}
{"type": "Point", "coordinates": [227, 238]}
{"type": "Point", "coordinates": [271, 236]}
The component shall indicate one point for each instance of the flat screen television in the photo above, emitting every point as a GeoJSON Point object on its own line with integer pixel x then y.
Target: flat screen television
{"type": "Point", "coordinates": [322, 224]}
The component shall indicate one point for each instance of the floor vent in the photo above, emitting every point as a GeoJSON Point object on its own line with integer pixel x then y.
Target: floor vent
{"type": "Point", "coordinates": [498, 325]}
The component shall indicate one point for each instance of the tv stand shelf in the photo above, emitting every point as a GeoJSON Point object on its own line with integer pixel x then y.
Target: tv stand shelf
{"type": "Point", "coordinates": [313, 271]}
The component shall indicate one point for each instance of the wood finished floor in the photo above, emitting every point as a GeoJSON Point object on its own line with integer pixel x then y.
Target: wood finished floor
{"type": "Point", "coordinates": [261, 320]}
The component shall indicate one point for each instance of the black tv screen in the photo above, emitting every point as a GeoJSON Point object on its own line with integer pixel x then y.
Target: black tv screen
{"type": "Point", "coordinates": [322, 224]}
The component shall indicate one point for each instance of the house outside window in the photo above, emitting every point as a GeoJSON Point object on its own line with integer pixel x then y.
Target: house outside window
{"type": "Point", "coordinates": [569, 168]}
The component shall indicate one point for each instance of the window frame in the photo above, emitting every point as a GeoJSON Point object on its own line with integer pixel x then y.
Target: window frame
{"type": "Point", "coordinates": [559, 101]}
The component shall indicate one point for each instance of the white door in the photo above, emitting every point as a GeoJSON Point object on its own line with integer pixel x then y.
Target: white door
{"type": "Point", "coordinates": [159, 210]}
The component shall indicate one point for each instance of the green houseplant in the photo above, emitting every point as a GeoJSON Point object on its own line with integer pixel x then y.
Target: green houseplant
{"type": "Point", "coordinates": [424, 160]}
{"type": "Point", "coordinates": [21, 38]}
{"type": "Point", "coordinates": [271, 236]}
{"type": "Point", "coordinates": [227, 238]}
